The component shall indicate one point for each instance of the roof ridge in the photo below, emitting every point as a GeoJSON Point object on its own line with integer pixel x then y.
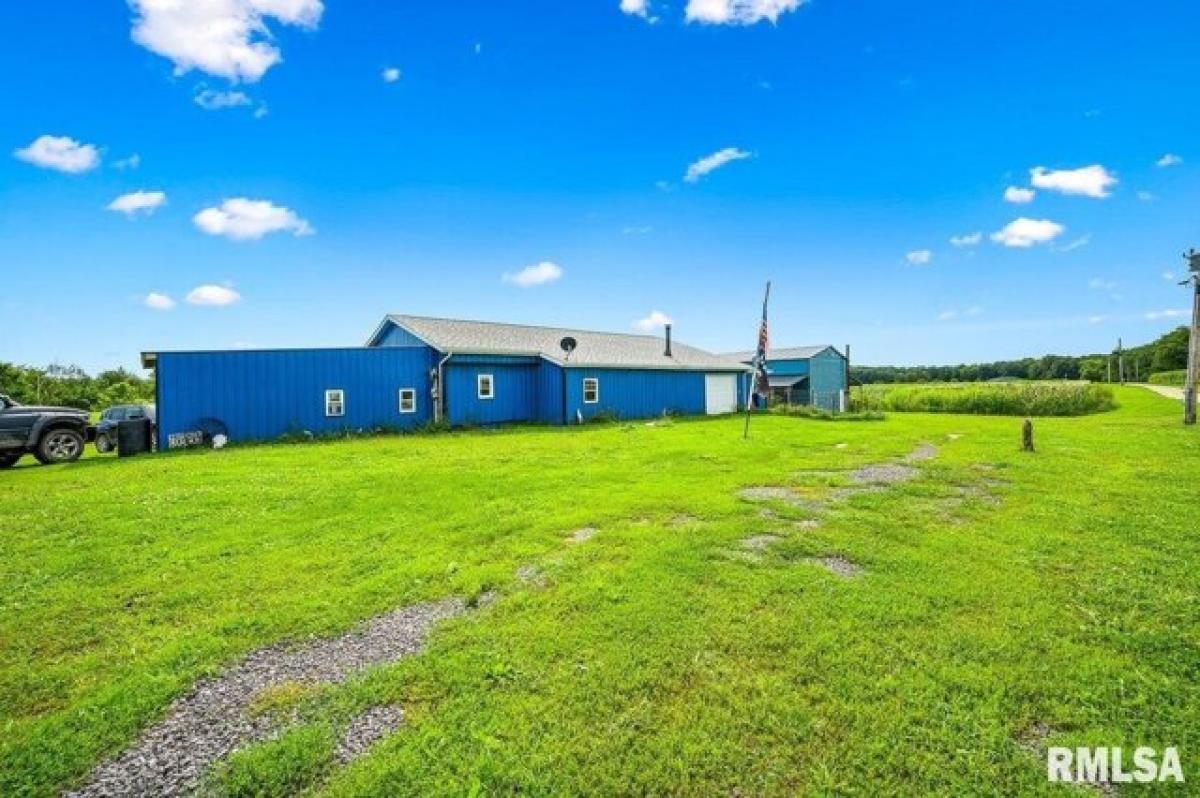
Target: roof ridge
{"type": "Point", "coordinates": [529, 326]}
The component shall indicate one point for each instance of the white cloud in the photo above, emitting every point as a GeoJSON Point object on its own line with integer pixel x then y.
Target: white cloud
{"type": "Point", "coordinates": [1019, 196]}
{"type": "Point", "coordinates": [1146, 196]}
{"type": "Point", "coordinates": [637, 8]}
{"type": "Point", "coordinates": [1097, 319]}
{"type": "Point", "coordinates": [390, 75]}
{"type": "Point", "coordinates": [1156, 315]}
{"type": "Point", "coordinates": [951, 315]}
{"type": "Point", "coordinates": [637, 230]}
{"type": "Point", "coordinates": [1170, 159]}
{"type": "Point", "coordinates": [157, 301]}
{"type": "Point", "coordinates": [1168, 276]}
{"type": "Point", "coordinates": [1100, 284]}
{"type": "Point", "coordinates": [61, 153]}
{"type": "Point", "coordinates": [739, 12]}
{"type": "Point", "coordinates": [215, 296]}
{"type": "Point", "coordinates": [967, 239]}
{"type": "Point", "coordinates": [652, 322]}
{"type": "Point", "coordinates": [1088, 181]}
{"type": "Point", "coordinates": [919, 257]}
{"type": "Point", "coordinates": [712, 162]}
{"type": "Point", "coordinates": [132, 162]}
{"type": "Point", "coordinates": [228, 38]}
{"type": "Point", "coordinates": [212, 100]}
{"type": "Point", "coordinates": [1024, 233]}
{"type": "Point", "coordinates": [538, 274]}
{"type": "Point", "coordinates": [1082, 241]}
{"type": "Point", "coordinates": [242, 220]}
{"type": "Point", "coordinates": [136, 202]}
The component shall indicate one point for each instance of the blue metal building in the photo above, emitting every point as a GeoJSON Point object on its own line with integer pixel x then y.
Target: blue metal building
{"type": "Point", "coordinates": [806, 375]}
{"type": "Point", "coordinates": [414, 370]}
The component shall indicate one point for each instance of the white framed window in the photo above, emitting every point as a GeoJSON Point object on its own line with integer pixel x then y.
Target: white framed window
{"type": "Point", "coordinates": [486, 385]}
{"type": "Point", "coordinates": [335, 403]}
{"type": "Point", "coordinates": [408, 400]}
{"type": "Point", "coordinates": [591, 390]}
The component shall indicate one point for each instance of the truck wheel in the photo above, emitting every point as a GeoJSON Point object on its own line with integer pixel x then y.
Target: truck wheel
{"type": "Point", "coordinates": [8, 460]}
{"type": "Point", "coordinates": [103, 444]}
{"type": "Point", "coordinates": [59, 446]}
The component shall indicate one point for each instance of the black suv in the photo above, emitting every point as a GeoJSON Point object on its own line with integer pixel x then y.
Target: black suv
{"type": "Point", "coordinates": [51, 434]}
{"type": "Point", "coordinates": [106, 429]}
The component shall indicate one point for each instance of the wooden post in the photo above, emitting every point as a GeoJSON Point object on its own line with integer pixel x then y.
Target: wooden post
{"type": "Point", "coordinates": [1027, 436]}
{"type": "Point", "coordinates": [1189, 384]}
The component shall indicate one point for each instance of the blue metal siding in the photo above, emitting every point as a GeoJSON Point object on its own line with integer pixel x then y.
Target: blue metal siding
{"type": "Point", "coordinates": [827, 379]}
{"type": "Point", "coordinates": [636, 393]}
{"type": "Point", "coordinates": [265, 394]}
{"type": "Point", "coordinates": [550, 393]}
{"type": "Point", "coordinates": [393, 335]}
{"type": "Point", "coordinates": [515, 389]}
{"type": "Point", "coordinates": [787, 368]}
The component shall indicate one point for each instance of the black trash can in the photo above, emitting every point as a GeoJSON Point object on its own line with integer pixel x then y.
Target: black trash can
{"type": "Point", "coordinates": [133, 437]}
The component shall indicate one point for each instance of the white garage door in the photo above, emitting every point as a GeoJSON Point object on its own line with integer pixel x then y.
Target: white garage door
{"type": "Point", "coordinates": [720, 393]}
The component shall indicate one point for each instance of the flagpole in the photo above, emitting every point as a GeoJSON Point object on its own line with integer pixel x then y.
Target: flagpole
{"type": "Point", "coordinates": [760, 355]}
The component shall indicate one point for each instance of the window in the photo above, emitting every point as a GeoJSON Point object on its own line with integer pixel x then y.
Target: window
{"type": "Point", "coordinates": [408, 400]}
{"type": "Point", "coordinates": [487, 388]}
{"type": "Point", "coordinates": [335, 403]}
{"type": "Point", "coordinates": [591, 391]}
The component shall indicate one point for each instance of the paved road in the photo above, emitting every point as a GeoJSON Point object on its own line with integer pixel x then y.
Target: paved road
{"type": "Point", "coordinates": [1164, 390]}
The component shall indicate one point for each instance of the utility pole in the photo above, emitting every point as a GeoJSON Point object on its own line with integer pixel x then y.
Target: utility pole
{"type": "Point", "coordinates": [1189, 385]}
{"type": "Point", "coordinates": [1120, 361]}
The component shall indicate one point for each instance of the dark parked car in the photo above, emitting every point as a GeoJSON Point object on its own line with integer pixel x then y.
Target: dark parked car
{"type": "Point", "coordinates": [51, 434]}
{"type": "Point", "coordinates": [106, 429]}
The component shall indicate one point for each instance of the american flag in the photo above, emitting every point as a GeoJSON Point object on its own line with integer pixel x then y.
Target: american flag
{"type": "Point", "coordinates": [762, 386]}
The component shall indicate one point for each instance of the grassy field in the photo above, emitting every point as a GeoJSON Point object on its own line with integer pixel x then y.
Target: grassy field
{"type": "Point", "coordinates": [1002, 593]}
{"type": "Point", "coordinates": [1059, 398]}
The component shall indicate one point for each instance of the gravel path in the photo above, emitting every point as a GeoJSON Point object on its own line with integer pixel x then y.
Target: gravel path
{"type": "Point", "coordinates": [172, 757]}
{"type": "Point", "coordinates": [367, 729]}
{"type": "Point", "coordinates": [1169, 391]}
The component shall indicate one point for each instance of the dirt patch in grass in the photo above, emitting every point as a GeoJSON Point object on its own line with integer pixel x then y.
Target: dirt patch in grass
{"type": "Point", "coordinates": [837, 565]}
{"type": "Point", "coordinates": [884, 474]}
{"type": "Point", "coordinates": [760, 542]}
{"type": "Point", "coordinates": [531, 575]}
{"type": "Point", "coordinates": [583, 534]}
{"type": "Point", "coordinates": [775, 494]}
{"type": "Point", "coordinates": [201, 728]}
{"type": "Point", "coordinates": [926, 451]}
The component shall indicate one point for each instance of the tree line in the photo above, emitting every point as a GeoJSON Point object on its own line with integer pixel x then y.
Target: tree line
{"type": "Point", "coordinates": [1168, 353]}
{"type": "Point", "coordinates": [71, 386]}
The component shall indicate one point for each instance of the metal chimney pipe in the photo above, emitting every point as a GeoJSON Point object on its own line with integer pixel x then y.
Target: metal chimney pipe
{"type": "Point", "coordinates": [667, 329]}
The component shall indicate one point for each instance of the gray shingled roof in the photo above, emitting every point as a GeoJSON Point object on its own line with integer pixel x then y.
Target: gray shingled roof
{"type": "Point", "coordinates": [791, 353]}
{"type": "Point", "coordinates": [618, 350]}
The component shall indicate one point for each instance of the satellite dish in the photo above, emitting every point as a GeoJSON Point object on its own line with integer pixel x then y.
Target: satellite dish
{"type": "Point", "coordinates": [568, 344]}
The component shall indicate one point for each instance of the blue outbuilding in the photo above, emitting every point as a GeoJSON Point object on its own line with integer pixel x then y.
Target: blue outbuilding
{"type": "Point", "coordinates": [806, 375]}
{"type": "Point", "coordinates": [415, 370]}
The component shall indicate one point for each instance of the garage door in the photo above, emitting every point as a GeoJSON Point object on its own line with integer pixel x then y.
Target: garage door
{"type": "Point", "coordinates": [720, 393]}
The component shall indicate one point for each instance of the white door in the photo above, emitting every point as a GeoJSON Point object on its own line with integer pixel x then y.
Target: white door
{"type": "Point", "coordinates": [720, 393]}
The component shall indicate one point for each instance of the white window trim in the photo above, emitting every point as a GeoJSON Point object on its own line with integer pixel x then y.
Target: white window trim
{"type": "Point", "coordinates": [413, 392]}
{"type": "Point", "coordinates": [596, 382]}
{"type": "Point", "coordinates": [491, 383]}
{"type": "Point", "coordinates": [340, 402]}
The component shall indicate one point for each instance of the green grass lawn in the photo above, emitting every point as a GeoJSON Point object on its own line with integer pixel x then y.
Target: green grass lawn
{"type": "Point", "coordinates": [656, 658]}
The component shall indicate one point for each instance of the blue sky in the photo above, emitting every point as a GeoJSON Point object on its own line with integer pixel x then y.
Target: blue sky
{"type": "Point", "coordinates": [847, 143]}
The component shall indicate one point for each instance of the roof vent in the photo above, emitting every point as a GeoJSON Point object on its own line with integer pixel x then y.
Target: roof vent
{"type": "Point", "coordinates": [667, 330]}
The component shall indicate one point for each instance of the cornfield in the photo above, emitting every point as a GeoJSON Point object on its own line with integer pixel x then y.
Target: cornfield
{"type": "Point", "coordinates": [994, 399]}
{"type": "Point", "coordinates": [1169, 378]}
